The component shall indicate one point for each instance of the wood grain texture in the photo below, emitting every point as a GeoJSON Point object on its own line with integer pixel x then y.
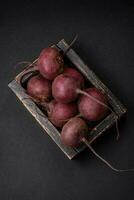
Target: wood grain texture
{"type": "Point", "coordinates": [92, 77]}
{"type": "Point", "coordinates": [42, 119]}
{"type": "Point", "coordinates": [98, 130]}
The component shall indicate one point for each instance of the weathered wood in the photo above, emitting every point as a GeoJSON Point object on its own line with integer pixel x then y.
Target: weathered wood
{"type": "Point", "coordinates": [106, 123]}
{"type": "Point", "coordinates": [42, 119]}
{"type": "Point", "coordinates": [101, 127]}
{"type": "Point", "coordinates": [92, 77]}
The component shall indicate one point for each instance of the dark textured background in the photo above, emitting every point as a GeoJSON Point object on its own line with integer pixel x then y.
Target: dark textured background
{"type": "Point", "coordinates": [31, 166]}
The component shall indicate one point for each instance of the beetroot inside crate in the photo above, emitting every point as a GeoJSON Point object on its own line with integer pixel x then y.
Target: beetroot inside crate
{"type": "Point", "coordinates": [72, 59]}
{"type": "Point", "coordinates": [67, 63]}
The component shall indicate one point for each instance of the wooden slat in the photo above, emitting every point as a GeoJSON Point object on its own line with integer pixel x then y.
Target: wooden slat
{"type": "Point", "coordinates": [92, 77]}
{"type": "Point", "coordinates": [48, 126]}
{"type": "Point", "coordinates": [41, 118]}
{"type": "Point", "coordinates": [101, 127]}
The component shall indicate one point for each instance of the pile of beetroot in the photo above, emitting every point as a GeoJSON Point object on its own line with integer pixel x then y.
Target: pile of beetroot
{"type": "Point", "coordinates": [61, 92]}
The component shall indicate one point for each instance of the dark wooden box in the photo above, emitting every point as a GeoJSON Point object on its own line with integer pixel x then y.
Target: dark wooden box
{"type": "Point", "coordinates": [106, 123]}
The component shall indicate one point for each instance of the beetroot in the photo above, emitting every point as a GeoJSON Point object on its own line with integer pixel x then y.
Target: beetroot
{"type": "Point", "coordinates": [60, 113]}
{"type": "Point", "coordinates": [93, 107]}
{"type": "Point", "coordinates": [50, 63]}
{"type": "Point", "coordinates": [50, 106]}
{"type": "Point", "coordinates": [64, 88]}
{"type": "Point", "coordinates": [73, 132]}
{"type": "Point", "coordinates": [74, 74]}
{"type": "Point", "coordinates": [39, 88]}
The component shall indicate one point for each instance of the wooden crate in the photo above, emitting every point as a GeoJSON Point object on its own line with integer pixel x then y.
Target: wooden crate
{"type": "Point", "coordinates": [106, 123]}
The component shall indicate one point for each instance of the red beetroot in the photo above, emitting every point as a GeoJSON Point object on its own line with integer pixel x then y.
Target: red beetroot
{"type": "Point", "coordinates": [74, 74]}
{"type": "Point", "coordinates": [50, 63]}
{"type": "Point", "coordinates": [39, 88]}
{"type": "Point", "coordinates": [73, 132]}
{"type": "Point", "coordinates": [60, 113]}
{"type": "Point", "coordinates": [89, 108]}
{"type": "Point", "coordinates": [50, 106]}
{"type": "Point", "coordinates": [64, 88]}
